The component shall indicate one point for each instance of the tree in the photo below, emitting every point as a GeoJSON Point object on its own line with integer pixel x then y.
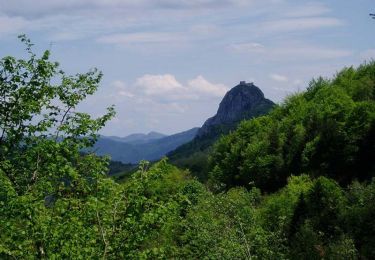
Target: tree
{"type": "Point", "coordinates": [44, 175]}
{"type": "Point", "coordinates": [40, 128]}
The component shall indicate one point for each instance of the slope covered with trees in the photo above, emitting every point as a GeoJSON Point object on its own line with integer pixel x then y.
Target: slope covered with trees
{"type": "Point", "coordinates": [244, 101]}
{"type": "Point", "coordinates": [161, 212]}
{"type": "Point", "coordinates": [57, 203]}
{"type": "Point", "coordinates": [328, 130]}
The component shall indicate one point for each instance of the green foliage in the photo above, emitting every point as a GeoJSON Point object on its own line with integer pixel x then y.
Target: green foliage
{"type": "Point", "coordinates": [194, 154]}
{"type": "Point", "coordinates": [197, 163]}
{"type": "Point", "coordinates": [278, 209]}
{"type": "Point", "coordinates": [226, 226]}
{"type": "Point", "coordinates": [327, 130]}
{"type": "Point", "coordinates": [118, 169]}
{"type": "Point", "coordinates": [37, 109]}
{"type": "Point", "coordinates": [359, 218]}
{"type": "Point", "coordinates": [43, 173]}
{"type": "Point", "coordinates": [316, 220]}
{"type": "Point", "coordinates": [131, 220]}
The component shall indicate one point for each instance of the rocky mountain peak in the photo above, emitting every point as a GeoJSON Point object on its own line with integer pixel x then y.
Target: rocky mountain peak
{"type": "Point", "coordinates": [243, 101]}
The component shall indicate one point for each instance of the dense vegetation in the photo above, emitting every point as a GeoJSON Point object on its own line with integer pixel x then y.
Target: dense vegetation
{"type": "Point", "coordinates": [116, 168]}
{"type": "Point", "coordinates": [194, 155]}
{"type": "Point", "coordinates": [328, 130]}
{"type": "Point", "coordinates": [314, 153]}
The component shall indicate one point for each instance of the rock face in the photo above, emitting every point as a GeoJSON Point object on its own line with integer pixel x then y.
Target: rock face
{"type": "Point", "coordinates": [244, 101]}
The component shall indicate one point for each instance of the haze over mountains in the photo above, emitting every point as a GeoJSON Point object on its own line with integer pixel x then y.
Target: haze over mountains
{"type": "Point", "coordinates": [243, 101]}
{"type": "Point", "coordinates": [138, 138]}
{"type": "Point", "coordinates": [137, 147]}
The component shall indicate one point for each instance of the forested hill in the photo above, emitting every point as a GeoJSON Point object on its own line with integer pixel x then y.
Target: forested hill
{"type": "Point", "coordinates": [328, 130]}
{"type": "Point", "coordinates": [244, 101]}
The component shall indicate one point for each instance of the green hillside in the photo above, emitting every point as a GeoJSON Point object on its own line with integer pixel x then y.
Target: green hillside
{"type": "Point", "coordinates": [328, 130]}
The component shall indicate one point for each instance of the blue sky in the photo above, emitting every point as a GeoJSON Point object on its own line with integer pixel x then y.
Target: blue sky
{"type": "Point", "coordinates": [168, 63]}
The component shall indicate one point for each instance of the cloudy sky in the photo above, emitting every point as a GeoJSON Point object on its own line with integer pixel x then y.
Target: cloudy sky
{"type": "Point", "coordinates": [168, 63]}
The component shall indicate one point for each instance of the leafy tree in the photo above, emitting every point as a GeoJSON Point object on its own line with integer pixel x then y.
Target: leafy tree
{"type": "Point", "coordinates": [41, 133]}
{"type": "Point", "coordinates": [359, 218]}
{"type": "Point", "coordinates": [226, 226]}
{"type": "Point", "coordinates": [278, 209]}
{"type": "Point", "coordinates": [41, 167]}
{"type": "Point", "coordinates": [316, 226]}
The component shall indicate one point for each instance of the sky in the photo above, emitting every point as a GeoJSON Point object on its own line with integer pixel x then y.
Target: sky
{"type": "Point", "coordinates": [168, 63]}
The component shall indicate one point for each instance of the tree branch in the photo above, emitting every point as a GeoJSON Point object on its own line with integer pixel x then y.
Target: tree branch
{"type": "Point", "coordinates": [62, 121]}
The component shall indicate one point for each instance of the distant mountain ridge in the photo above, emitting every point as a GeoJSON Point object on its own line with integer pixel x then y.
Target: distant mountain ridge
{"type": "Point", "coordinates": [137, 147]}
{"type": "Point", "coordinates": [138, 137]}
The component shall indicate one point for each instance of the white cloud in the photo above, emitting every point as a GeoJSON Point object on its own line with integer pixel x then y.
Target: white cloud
{"type": "Point", "coordinates": [159, 84]}
{"type": "Point", "coordinates": [205, 29]}
{"type": "Point", "coordinates": [107, 21]}
{"type": "Point", "coordinates": [141, 38]}
{"type": "Point", "coordinates": [41, 7]}
{"type": "Point", "coordinates": [67, 36]}
{"type": "Point", "coordinates": [128, 22]}
{"type": "Point", "coordinates": [248, 47]}
{"type": "Point", "coordinates": [202, 3]}
{"type": "Point", "coordinates": [175, 107]}
{"type": "Point", "coordinates": [312, 52]}
{"type": "Point", "coordinates": [45, 8]}
{"type": "Point", "coordinates": [297, 82]}
{"type": "Point", "coordinates": [119, 84]}
{"type": "Point", "coordinates": [290, 51]}
{"type": "Point", "coordinates": [170, 38]}
{"type": "Point", "coordinates": [299, 24]}
{"type": "Point", "coordinates": [125, 93]}
{"type": "Point", "coordinates": [122, 89]}
{"type": "Point", "coordinates": [201, 85]}
{"type": "Point", "coordinates": [167, 87]}
{"type": "Point", "coordinates": [308, 10]}
{"type": "Point", "coordinates": [279, 78]}
{"type": "Point", "coordinates": [12, 24]}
